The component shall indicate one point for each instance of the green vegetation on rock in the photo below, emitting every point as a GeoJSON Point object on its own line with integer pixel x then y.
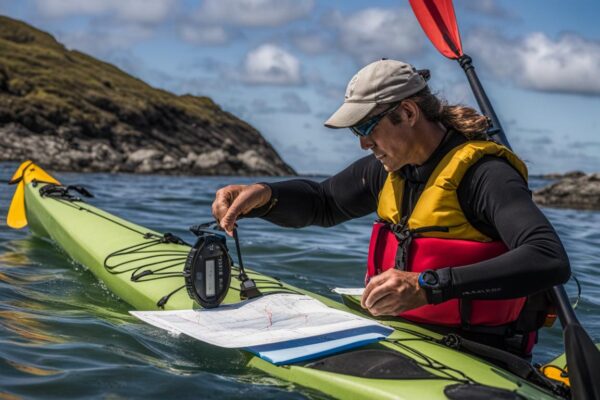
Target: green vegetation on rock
{"type": "Point", "coordinates": [70, 111]}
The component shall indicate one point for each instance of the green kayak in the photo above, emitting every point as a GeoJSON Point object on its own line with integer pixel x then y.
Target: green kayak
{"type": "Point", "coordinates": [412, 363]}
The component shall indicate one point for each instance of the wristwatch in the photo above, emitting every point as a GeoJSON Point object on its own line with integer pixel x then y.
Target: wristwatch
{"type": "Point", "coordinates": [436, 284]}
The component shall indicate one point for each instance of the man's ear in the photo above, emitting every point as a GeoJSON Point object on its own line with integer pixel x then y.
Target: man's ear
{"type": "Point", "coordinates": [410, 112]}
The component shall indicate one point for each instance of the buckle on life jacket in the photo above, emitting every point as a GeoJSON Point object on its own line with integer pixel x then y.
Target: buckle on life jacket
{"type": "Point", "coordinates": [404, 237]}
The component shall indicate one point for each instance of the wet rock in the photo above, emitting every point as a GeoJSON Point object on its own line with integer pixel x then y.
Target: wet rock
{"type": "Point", "coordinates": [141, 155]}
{"type": "Point", "coordinates": [571, 174]}
{"type": "Point", "coordinates": [579, 191]}
{"type": "Point", "coordinates": [254, 161]}
{"type": "Point", "coordinates": [211, 159]}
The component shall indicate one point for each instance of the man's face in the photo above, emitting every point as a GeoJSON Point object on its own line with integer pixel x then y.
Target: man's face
{"type": "Point", "coordinates": [391, 144]}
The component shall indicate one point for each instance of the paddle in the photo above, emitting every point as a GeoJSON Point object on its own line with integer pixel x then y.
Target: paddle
{"type": "Point", "coordinates": [439, 22]}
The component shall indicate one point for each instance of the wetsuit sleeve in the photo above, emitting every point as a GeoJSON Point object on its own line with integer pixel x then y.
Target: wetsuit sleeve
{"type": "Point", "coordinates": [352, 193]}
{"type": "Point", "coordinates": [496, 197]}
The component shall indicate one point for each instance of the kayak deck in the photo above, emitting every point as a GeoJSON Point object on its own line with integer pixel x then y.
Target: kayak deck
{"type": "Point", "coordinates": [113, 249]}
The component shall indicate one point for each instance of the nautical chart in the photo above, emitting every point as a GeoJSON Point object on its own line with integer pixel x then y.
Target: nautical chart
{"type": "Point", "coordinates": [349, 291]}
{"type": "Point", "coordinates": [274, 319]}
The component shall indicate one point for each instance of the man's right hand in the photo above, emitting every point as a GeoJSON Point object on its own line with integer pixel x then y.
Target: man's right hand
{"type": "Point", "coordinates": [235, 200]}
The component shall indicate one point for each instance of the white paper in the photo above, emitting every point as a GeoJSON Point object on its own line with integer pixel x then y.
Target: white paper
{"type": "Point", "coordinates": [349, 291]}
{"type": "Point", "coordinates": [265, 320]}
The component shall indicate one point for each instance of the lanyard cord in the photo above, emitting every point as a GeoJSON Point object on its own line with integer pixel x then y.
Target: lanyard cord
{"type": "Point", "coordinates": [150, 264]}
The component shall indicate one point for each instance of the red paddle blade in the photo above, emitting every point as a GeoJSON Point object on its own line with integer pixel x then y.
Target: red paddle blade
{"type": "Point", "coordinates": [439, 23]}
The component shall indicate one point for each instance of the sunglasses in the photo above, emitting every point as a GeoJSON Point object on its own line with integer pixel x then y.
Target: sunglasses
{"type": "Point", "coordinates": [367, 127]}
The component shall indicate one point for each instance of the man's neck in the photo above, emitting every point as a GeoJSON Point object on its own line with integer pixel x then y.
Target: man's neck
{"type": "Point", "coordinates": [430, 135]}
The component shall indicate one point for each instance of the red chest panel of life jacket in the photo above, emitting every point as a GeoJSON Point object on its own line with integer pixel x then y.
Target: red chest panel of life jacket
{"type": "Point", "coordinates": [435, 253]}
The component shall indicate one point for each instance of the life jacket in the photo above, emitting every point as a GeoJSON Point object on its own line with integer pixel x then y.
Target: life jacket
{"type": "Point", "coordinates": [437, 234]}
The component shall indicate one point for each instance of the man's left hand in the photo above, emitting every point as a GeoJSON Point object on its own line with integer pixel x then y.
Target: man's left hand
{"type": "Point", "coordinates": [393, 292]}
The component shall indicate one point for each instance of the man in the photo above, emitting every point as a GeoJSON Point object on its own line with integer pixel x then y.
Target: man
{"type": "Point", "coordinates": [459, 243]}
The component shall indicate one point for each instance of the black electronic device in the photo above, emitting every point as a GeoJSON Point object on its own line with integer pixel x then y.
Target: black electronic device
{"type": "Point", "coordinates": [207, 270]}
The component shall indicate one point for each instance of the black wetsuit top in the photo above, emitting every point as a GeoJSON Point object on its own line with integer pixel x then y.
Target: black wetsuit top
{"type": "Point", "coordinates": [494, 197]}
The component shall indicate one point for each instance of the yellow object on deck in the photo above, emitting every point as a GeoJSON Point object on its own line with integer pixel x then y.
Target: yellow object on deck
{"type": "Point", "coordinates": [556, 373]}
{"type": "Point", "coordinates": [26, 173]}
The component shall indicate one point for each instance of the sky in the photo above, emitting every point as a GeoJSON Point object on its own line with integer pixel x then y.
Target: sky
{"type": "Point", "coordinates": [283, 65]}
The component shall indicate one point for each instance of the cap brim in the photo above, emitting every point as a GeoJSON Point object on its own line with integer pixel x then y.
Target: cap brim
{"type": "Point", "coordinates": [349, 114]}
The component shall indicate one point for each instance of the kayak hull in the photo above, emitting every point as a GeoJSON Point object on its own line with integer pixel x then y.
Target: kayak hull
{"type": "Point", "coordinates": [107, 246]}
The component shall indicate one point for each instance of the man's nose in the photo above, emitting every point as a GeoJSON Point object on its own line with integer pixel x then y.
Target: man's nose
{"type": "Point", "coordinates": [366, 143]}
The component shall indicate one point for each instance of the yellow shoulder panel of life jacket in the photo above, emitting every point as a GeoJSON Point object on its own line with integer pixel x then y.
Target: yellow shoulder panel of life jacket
{"type": "Point", "coordinates": [438, 205]}
{"type": "Point", "coordinates": [389, 204]}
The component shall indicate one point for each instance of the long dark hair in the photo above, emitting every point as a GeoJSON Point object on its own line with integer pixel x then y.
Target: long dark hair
{"type": "Point", "coordinates": [462, 119]}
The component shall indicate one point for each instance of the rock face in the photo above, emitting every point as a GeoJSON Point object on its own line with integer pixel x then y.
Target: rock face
{"type": "Point", "coordinates": [69, 111]}
{"type": "Point", "coordinates": [571, 174]}
{"type": "Point", "coordinates": [573, 190]}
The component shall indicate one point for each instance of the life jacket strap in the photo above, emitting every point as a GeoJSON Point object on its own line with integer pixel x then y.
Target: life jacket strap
{"type": "Point", "coordinates": [405, 237]}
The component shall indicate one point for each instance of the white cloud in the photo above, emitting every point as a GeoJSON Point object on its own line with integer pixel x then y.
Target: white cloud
{"type": "Point", "coordinates": [271, 65]}
{"type": "Point", "coordinates": [311, 42]}
{"type": "Point", "coordinates": [373, 33]}
{"type": "Point", "coordinates": [569, 64]}
{"type": "Point", "coordinates": [253, 13]}
{"type": "Point", "coordinates": [204, 35]}
{"type": "Point", "coordinates": [139, 11]}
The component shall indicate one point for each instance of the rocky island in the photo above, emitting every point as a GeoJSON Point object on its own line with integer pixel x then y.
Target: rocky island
{"type": "Point", "coordinates": [69, 111]}
{"type": "Point", "coordinates": [571, 190]}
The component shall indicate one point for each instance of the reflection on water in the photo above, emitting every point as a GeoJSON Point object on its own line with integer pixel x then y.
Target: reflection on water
{"type": "Point", "coordinates": [31, 370]}
{"type": "Point", "coordinates": [63, 335]}
{"type": "Point", "coordinates": [8, 396]}
{"type": "Point", "coordinates": [26, 328]}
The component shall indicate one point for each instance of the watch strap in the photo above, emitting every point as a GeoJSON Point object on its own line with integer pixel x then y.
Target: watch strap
{"type": "Point", "coordinates": [437, 292]}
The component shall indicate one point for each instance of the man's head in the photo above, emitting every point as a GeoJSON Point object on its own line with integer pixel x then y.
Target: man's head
{"type": "Point", "coordinates": [379, 109]}
{"type": "Point", "coordinates": [381, 83]}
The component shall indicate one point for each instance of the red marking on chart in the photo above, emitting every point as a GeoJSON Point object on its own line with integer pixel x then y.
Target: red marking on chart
{"type": "Point", "coordinates": [269, 316]}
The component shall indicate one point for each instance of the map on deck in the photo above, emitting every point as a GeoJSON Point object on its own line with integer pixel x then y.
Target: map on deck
{"type": "Point", "coordinates": [349, 291]}
{"type": "Point", "coordinates": [279, 327]}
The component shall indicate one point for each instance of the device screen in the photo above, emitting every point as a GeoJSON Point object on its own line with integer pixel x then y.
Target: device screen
{"type": "Point", "coordinates": [210, 278]}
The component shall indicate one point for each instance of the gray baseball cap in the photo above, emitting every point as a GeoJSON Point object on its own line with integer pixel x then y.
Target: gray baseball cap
{"type": "Point", "coordinates": [381, 82]}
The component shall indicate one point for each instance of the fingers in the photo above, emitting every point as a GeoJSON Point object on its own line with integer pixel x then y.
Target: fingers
{"type": "Point", "coordinates": [233, 212]}
{"type": "Point", "coordinates": [375, 282]}
{"type": "Point", "coordinates": [385, 306]}
{"type": "Point", "coordinates": [223, 199]}
{"type": "Point", "coordinates": [393, 292]}
{"type": "Point", "coordinates": [381, 288]}
{"type": "Point", "coordinates": [235, 200]}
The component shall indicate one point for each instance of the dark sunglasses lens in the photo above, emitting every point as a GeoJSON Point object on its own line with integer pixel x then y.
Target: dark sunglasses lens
{"type": "Point", "coordinates": [365, 128]}
{"type": "Point", "coordinates": [356, 131]}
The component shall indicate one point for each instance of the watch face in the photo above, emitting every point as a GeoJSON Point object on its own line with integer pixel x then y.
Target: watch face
{"type": "Point", "coordinates": [430, 278]}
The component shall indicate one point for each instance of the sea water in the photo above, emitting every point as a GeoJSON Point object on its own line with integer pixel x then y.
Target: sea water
{"type": "Point", "coordinates": [64, 335]}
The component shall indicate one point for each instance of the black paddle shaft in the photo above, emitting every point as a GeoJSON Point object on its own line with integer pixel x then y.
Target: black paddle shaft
{"type": "Point", "coordinates": [482, 100]}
